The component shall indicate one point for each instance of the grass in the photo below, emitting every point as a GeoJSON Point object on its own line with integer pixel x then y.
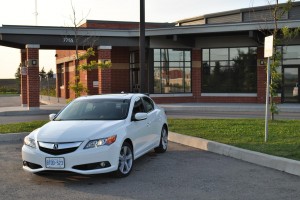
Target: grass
{"type": "Point", "coordinates": [21, 127]}
{"type": "Point", "coordinates": [284, 135]}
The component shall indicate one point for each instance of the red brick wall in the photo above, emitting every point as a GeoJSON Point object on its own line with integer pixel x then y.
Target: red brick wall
{"type": "Point", "coordinates": [33, 80]}
{"type": "Point", "coordinates": [92, 76]}
{"type": "Point", "coordinates": [120, 80]}
{"type": "Point", "coordinates": [120, 55]}
{"type": "Point", "coordinates": [261, 77]}
{"type": "Point", "coordinates": [196, 73]}
{"type": "Point", "coordinates": [114, 80]}
{"type": "Point", "coordinates": [104, 78]}
{"type": "Point", "coordinates": [23, 78]}
{"type": "Point", "coordinates": [33, 89]}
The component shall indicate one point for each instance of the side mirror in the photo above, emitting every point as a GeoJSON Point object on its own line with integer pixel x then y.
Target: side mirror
{"type": "Point", "coordinates": [140, 116]}
{"type": "Point", "coordinates": [52, 116]}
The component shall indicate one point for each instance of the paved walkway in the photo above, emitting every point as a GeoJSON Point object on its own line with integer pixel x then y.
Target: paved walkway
{"type": "Point", "coordinates": [53, 105]}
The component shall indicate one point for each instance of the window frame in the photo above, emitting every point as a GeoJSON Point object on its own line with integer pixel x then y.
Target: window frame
{"type": "Point", "coordinates": [184, 64]}
{"type": "Point", "coordinates": [206, 64]}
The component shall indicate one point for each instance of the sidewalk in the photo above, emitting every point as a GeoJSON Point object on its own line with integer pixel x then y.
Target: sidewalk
{"type": "Point", "coordinates": [53, 105]}
{"type": "Point", "coordinates": [225, 107]}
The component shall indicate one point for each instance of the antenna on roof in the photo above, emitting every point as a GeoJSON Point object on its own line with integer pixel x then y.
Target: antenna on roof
{"type": "Point", "coordinates": [36, 13]}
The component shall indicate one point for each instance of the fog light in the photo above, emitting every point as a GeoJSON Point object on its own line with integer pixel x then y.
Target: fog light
{"type": "Point", "coordinates": [24, 163]}
{"type": "Point", "coordinates": [102, 164]}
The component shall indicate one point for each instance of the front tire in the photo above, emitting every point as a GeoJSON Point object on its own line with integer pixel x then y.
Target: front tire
{"type": "Point", "coordinates": [163, 144]}
{"type": "Point", "coordinates": [125, 161]}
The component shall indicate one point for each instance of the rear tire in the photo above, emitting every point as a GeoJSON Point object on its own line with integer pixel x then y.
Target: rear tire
{"type": "Point", "coordinates": [163, 144]}
{"type": "Point", "coordinates": [125, 161]}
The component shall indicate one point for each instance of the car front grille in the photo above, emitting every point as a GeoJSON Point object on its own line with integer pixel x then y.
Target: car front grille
{"type": "Point", "coordinates": [58, 148]}
{"type": "Point", "coordinates": [58, 151]}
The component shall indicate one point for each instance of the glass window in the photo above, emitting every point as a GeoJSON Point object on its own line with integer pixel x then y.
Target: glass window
{"type": "Point", "coordinates": [205, 55]}
{"type": "Point", "coordinates": [138, 106]}
{"type": "Point", "coordinates": [149, 106]}
{"type": "Point", "coordinates": [291, 52]}
{"type": "Point", "coordinates": [236, 52]}
{"type": "Point", "coordinates": [170, 71]}
{"type": "Point", "coordinates": [229, 73]}
{"type": "Point", "coordinates": [95, 109]}
{"type": "Point", "coordinates": [156, 54]}
{"type": "Point", "coordinates": [219, 54]}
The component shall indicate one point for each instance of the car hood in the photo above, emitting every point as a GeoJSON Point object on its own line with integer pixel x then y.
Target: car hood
{"type": "Point", "coordinates": [70, 131]}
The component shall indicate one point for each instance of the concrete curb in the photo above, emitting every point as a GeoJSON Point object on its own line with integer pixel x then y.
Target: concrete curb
{"type": "Point", "coordinates": [274, 162]}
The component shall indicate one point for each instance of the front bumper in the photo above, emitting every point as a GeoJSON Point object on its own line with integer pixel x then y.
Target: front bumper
{"type": "Point", "coordinates": [82, 161]}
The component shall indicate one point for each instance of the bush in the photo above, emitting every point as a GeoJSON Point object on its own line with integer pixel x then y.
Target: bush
{"type": "Point", "coordinates": [4, 90]}
{"type": "Point", "coordinates": [51, 92]}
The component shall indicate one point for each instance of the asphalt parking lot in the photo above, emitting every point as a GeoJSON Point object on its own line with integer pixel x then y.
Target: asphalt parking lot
{"type": "Point", "coordinates": [181, 173]}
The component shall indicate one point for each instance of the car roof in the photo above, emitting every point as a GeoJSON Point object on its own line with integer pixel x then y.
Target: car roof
{"type": "Point", "coordinates": [113, 96]}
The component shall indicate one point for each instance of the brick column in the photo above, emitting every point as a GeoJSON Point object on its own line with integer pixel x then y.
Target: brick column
{"type": "Point", "coordinates": [196, 73]}
{"type": "Point", "coordinates": [33, 80]}
{"type": "Point", "coordinates": [261, 76]}
{"type": "Point", "coordinates": [104, 75]}
{"type": "Point", "coordinates": [58, 80]}
{"type": "Point", "coordinates": [23, 72]}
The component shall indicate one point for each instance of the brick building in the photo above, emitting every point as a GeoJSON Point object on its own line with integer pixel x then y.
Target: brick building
{"type": "Point", "coordinates": [211, 58]}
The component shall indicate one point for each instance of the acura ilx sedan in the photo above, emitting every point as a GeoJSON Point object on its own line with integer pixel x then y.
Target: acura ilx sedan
{"type": "Point", "coordinates": [97, 134]}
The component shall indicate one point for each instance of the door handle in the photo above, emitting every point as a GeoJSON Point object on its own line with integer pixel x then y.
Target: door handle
{"type": "Point", "coordinates": [148, 124]}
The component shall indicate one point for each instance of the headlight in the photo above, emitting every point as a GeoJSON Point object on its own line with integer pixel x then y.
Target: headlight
{"type": "Point", "coordinates": [101, 142]}
{"type": "Point", "coordinates": [29, 142]}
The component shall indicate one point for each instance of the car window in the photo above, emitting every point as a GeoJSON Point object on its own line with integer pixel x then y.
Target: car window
{"type": "Point", "coordinates": [138, 106]}
{"type": "Point", "coordinates": [95, 109]}
{"type": "Point", "coordinates": [149, 106]}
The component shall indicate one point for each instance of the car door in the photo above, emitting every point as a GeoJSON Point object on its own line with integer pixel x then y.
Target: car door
{"type": "Point", "coordinates": [153, 122]}
{"type": "Point", "coordinates": [139, 130]}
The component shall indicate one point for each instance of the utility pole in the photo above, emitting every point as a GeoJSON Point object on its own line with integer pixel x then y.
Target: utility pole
{"type": "Point", "coordinates": [36, 13]}
{"type": "Point", "coordinates": [142, 47]}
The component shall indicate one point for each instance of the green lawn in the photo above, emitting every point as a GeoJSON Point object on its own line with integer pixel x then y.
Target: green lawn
{"type": "Point", "coordinates": [284, 135]}
{"type": "Point", "coordinates": [21, 127]}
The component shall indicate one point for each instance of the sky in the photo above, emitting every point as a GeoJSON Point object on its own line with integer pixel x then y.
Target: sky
{"type": "Point", "coordinates": [59, 12]}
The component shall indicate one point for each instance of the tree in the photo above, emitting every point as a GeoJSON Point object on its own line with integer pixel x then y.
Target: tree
{"type": "Point", "coordinates": [50, 74]}
{"type": "Point", "coordinates": [280, 36]}
{"type": "Point", "coordinates": [18, 77]}
{"type": "Point", "coordinates": [76, 85]}
{"type": "Point", "coordinates": [42, 73]}
{"type": "Point", "coordinates": [18, 73]}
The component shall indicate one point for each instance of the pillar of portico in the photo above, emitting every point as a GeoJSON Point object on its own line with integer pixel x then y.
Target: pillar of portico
{"type": "Point", "coordinates": [104, 75]}
{"type": "Point", "coordinates": [33, 80]}
{"type": "Point", "coordinates": [23, 73]}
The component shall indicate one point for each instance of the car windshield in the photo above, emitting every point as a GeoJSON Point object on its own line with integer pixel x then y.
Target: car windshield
{"type": "Point", "coordinates": [95, 109]}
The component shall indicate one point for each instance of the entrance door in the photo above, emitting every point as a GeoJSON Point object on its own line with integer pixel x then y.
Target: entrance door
{"type": "Point", "coordinates": [290, 84]}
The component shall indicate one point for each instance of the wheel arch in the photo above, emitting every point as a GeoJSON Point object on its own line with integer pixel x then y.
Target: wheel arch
{"type": "Point", "coordinates": [128, 140]}
{"type": "Point", "coordinates": [166, 126]}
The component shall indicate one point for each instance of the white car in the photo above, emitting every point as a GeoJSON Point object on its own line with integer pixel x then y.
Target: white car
{"type": "Point", "coordinates": [97, 134]}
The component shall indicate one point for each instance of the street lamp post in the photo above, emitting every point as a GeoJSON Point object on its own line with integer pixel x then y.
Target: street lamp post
{"type": "Point", "coordinates": [142, 47]}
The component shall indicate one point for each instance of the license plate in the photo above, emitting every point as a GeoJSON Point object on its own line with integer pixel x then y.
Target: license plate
{"type": "Point", "coordinates": [55, 163]}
